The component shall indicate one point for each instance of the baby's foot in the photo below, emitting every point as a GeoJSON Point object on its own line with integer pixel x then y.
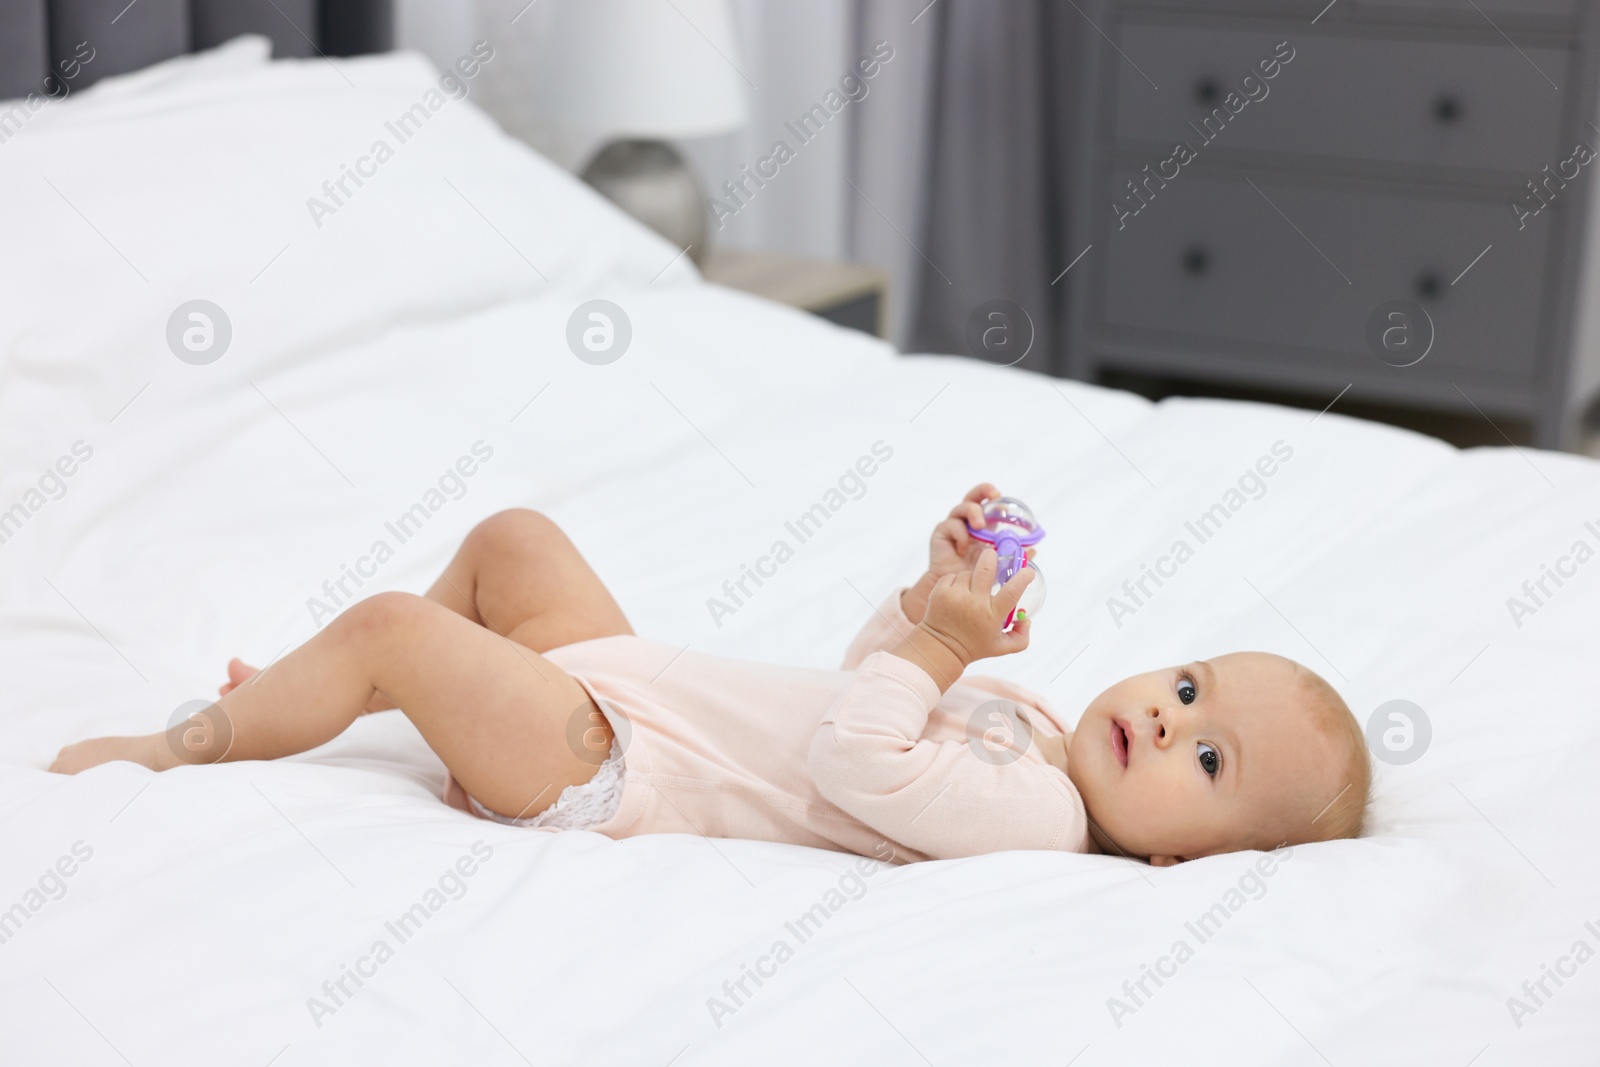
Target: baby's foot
{"type": "Point", "coordinates": [144, 751]}
{"type": "Point", "coordinates": [239, 672]}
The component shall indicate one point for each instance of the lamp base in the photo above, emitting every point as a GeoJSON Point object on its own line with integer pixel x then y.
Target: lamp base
{"type": "Point", "coordinates": [652, 182]}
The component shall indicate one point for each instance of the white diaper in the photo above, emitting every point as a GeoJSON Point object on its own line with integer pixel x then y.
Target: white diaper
{"type": "Point", "coordinates": [579, 807]}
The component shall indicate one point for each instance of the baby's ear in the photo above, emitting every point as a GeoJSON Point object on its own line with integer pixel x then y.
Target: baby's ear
{"type": "Point", "coordinates": [1165, 861]}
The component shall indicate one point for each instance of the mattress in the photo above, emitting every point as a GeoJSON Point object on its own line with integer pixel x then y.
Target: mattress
{"type": "Point", "coordinates": [165, 506]}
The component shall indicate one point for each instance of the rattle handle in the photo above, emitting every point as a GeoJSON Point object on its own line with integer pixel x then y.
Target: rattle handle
{"type": "Point", "coordinates": [1008, 546]}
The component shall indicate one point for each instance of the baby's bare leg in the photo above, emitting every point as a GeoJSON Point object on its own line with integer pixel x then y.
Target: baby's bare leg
{"type": "Point", "coordinates": [519, 575]}
{"type": "Point", "coordinates": [494, 711]}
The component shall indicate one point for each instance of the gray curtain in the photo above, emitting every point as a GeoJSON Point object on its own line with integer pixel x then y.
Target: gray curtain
{"type": "Point", "coordinates": [1005, 87]}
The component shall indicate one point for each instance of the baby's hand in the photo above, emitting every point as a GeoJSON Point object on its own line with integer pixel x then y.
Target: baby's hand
{"type": "Point", "coordinates": [951, 550]}
{"type": "Point", "coordinates": [967, 620]}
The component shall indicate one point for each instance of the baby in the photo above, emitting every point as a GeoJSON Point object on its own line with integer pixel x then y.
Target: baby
{"type": "Point", "coordinates": [521, 672]}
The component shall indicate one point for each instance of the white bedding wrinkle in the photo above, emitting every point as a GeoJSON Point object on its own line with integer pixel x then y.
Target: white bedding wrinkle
{"type": "Point", "coordinates": [1252, 485]}
{"type": "Point", "coordinates": [49, 887]}
{"type": "Point", "coordinates": [851, 485]}
{"type": "Point", "coordinates": [406, 328]}
{"type": "Point", "coordinates": [51, 485]}
{"type": "Point", "coordinates": [850, 886]}
{"type": "Point", "coordinates": [1552, 978]}
{"type": "Point", "coordinates": [451, 486]}
{"type": "Point", "coordinates": [1553, 577]}
{"type": "Point", "coordinates": [1137, 991]}
{"type": "Point", "coordinates": [452, 885]}
{"type": "Point", "coordinates": [407, 124]}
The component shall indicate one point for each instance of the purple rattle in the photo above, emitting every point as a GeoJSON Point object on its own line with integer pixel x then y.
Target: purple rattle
{"type": "Point", "coordinates": [1009, 525]}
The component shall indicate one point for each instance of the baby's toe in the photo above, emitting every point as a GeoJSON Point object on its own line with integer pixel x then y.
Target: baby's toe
{"type": "Point", "coordinates": [240, 672]}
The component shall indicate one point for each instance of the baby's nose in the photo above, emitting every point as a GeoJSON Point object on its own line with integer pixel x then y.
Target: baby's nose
{"type": "Point", "coordinates": [1158, 722]}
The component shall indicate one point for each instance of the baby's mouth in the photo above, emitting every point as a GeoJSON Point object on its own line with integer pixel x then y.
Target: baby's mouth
{"type": "Point", "coordinates": [1119, 742]}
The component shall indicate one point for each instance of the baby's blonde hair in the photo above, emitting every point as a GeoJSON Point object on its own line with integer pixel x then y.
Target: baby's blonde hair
{"type": "Point", "coordinates": [1346, 813]}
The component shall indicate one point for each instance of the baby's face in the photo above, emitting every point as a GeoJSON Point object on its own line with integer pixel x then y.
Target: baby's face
{"type": "Point", "coordinates": [1216, 756]}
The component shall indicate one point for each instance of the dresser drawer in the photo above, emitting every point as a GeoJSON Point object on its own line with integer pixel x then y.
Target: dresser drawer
{"type": "Point", "coordinates": [1210, 258]}
{"type": "Point", "coordinates": [1509, 11]}
{"type": "Point", "coordinates": [1495, 9]}
{"type": "Point", "coordinates": [1404, 101]}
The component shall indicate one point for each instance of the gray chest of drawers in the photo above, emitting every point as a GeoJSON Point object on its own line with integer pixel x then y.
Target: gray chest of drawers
{"type": "Point", "coordinates": [1388, 195]}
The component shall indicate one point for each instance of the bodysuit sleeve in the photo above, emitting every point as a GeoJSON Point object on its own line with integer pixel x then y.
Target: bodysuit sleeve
{"type": "Point", "coordinates": [886, 627]}
{"type": "Point", "coordinates": [869, 758]}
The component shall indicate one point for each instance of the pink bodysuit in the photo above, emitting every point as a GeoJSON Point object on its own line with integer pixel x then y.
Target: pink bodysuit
{"type": "Point", "coordinates": [866, 759]}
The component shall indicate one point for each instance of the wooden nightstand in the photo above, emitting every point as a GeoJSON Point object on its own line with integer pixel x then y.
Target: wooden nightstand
{"type": "Point", "coordinates": [849, 294]}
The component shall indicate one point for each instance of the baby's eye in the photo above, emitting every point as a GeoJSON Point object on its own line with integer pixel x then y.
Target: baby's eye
{"type": "Point", "coordinates": [1186, 691]}
{"type": "Point", "coordinates": [1210, 759]}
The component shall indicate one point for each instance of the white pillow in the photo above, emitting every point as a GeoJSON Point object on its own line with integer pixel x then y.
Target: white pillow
{"type": "Point", "coordinates": [198, 179]}
{"type": "Point", "coordinates": [244, 52]}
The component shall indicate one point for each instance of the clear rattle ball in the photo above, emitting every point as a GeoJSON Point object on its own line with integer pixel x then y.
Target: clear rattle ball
{"type": "Point", "coordinates": [1007, 514]}
{"type": "Point", "coordinates": [1032, 598]}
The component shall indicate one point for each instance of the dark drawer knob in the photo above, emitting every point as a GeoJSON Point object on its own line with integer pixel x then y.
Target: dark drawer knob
{"type": "Point", "coordinates": [1447, 110]}
{"type": "Point", "coordinates": [1207, 91]}
{"type": "Point", "coordinates": [1196, 260]}
{"type": "Point", "coordinates": [1429, 286]}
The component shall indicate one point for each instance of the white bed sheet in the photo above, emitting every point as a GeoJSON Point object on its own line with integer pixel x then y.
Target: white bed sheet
{"type": "Point", "coordinates": [430, 313]}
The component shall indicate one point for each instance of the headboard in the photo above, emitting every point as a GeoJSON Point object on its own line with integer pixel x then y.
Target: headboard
{"type": "Point", "coordinates": [38, 38]}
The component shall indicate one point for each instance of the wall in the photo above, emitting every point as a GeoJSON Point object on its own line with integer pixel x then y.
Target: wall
{"type": "Point", "coordinates": [794, 52]}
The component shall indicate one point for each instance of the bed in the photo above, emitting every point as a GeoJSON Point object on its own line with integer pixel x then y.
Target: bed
{"type": "Point", "coordinates": [165, 505]}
